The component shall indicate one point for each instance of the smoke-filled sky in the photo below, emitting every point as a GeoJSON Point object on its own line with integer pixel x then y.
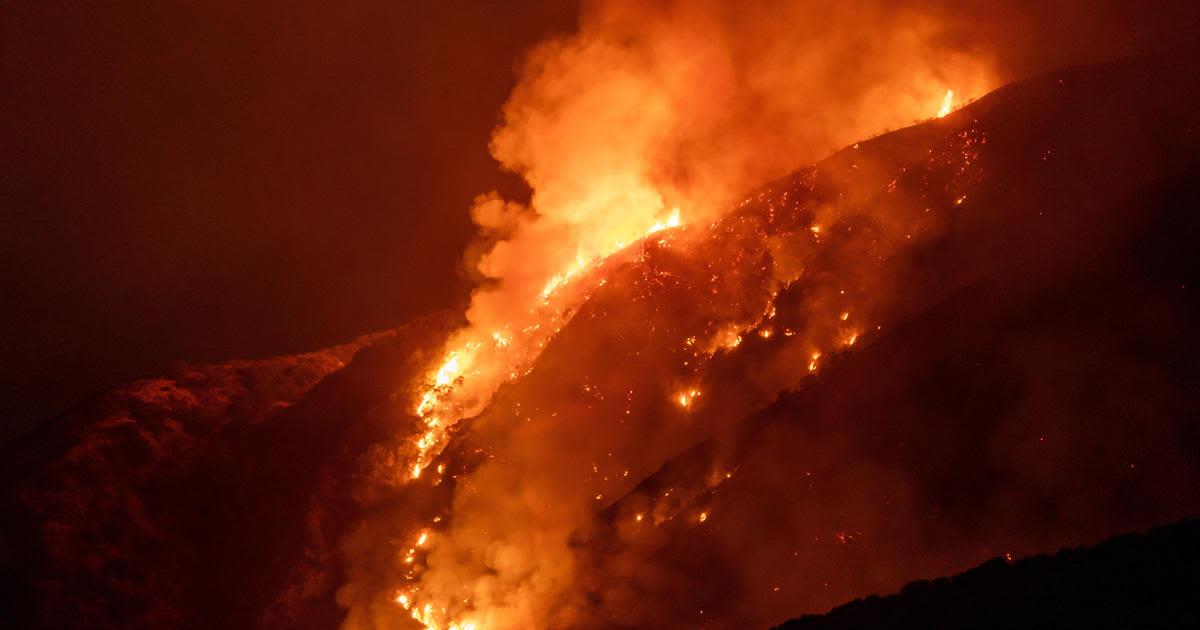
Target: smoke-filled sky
{"type": "Point", "coordinates": [217, 180]}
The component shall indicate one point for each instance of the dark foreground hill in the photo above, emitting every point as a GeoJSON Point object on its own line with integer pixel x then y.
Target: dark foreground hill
{"type": "Point", "coordinates": [1130, 581]}
{"type": "Point", "coordinates": [1023, 276]}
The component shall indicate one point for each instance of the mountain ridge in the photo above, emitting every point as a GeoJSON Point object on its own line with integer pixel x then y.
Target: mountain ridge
{"type": "Point", "coordinates": [1144, 580]}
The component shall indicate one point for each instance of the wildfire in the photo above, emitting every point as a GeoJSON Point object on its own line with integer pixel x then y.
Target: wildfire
{"type": "Point", "coordinates": [671, 222]}
{"type": "Point", "coordinates": [685, 398]}
{"type": "Point", "coordinates": [476, 363]}
{"type": "Point", "coordinates": [464, 382]}
{"type": "Point", "coordinates": [946, 103]}
{"type": "Point", "coordinates": [448, 370]}
{"type": "Point", "coordinates": [426, 617]}
{"type": "Point", "coordinates": [596, 192]}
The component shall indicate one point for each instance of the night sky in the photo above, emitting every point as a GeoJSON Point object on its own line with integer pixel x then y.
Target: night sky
{"type": "Point", "coordinates": [204, 181]}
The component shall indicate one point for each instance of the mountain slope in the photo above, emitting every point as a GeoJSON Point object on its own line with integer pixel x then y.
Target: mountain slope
{"type": "Point", "coordinates": [1032, 384]}
{"type": "Point", "coordinates": [959, 340]}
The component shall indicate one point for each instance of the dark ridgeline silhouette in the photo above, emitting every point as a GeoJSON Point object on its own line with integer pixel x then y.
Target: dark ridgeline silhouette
{"type": "Point", "coordinates": [1130, 581]}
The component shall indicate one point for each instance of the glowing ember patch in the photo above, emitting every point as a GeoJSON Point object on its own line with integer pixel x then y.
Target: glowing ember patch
{"type": "Point", "coordinates": [703, 516]}
{"type": "Point", "coordinates": [685, 398]}
{"type": "Point", "coordinates": [946, 103]}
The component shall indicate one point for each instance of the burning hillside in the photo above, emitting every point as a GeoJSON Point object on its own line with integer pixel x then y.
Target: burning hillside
{"type": "Point", "coordinates": [964, 339]}
{"type": "Point", "coordinates": [621, 477]}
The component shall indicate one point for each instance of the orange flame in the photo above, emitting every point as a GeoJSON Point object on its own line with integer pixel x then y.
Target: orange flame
{"type": "Point", "coordinates": [477, 364]}
{"type": "Point", "coordinates": [946, 103]}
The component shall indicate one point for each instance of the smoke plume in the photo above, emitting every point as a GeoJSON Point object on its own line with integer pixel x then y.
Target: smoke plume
{"type": "Point", "coordinates": [653, 107]}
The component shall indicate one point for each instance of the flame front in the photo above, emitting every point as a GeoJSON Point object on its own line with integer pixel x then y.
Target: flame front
{"type": "Point", "coordinates": [477, 363]}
